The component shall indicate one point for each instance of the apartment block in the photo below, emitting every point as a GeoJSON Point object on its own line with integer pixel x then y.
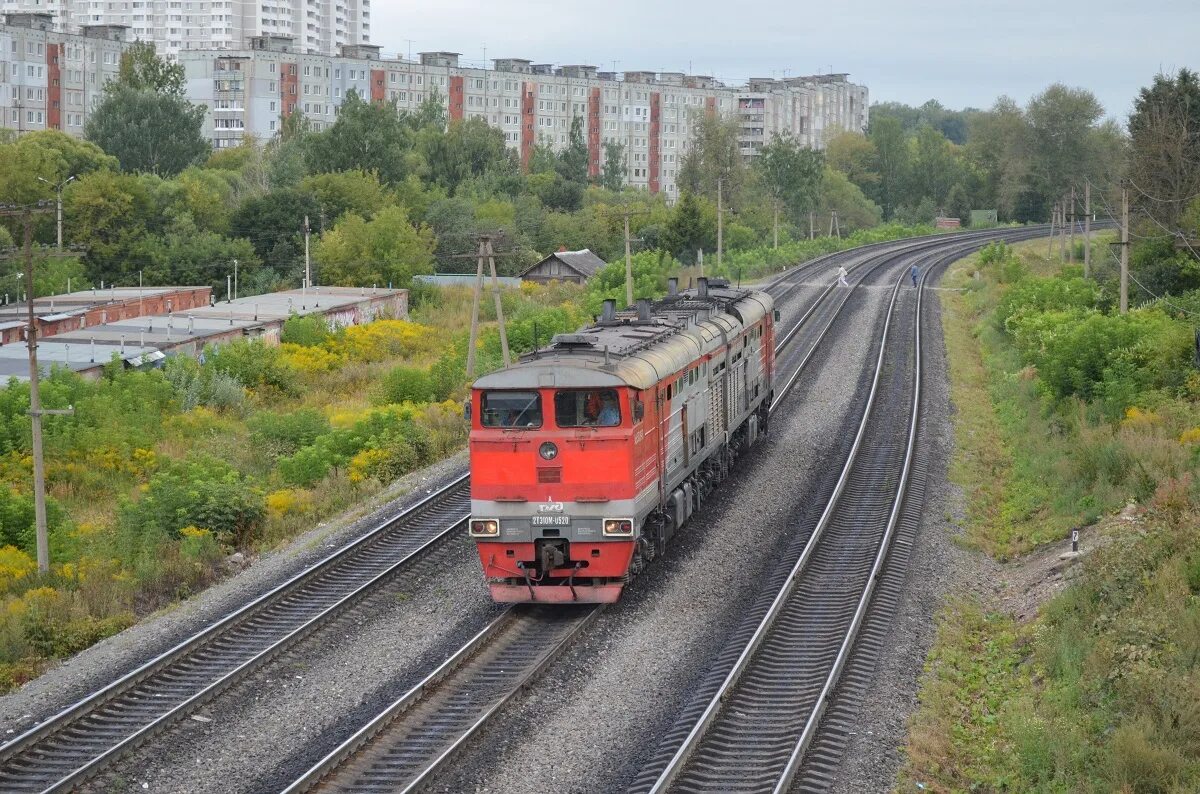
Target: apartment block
{"type": "Point", "coordinates": [250, 91]}
{"type": "Point", "coordinates": [173, 26]}
{"type": "Point", "coordinates": [52, 80]}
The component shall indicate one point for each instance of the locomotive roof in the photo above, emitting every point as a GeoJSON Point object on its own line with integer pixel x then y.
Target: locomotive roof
{"type": "Point", "coordinates": [639, 346]}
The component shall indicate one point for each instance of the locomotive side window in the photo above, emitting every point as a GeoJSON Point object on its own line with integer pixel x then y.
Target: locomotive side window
{"type": "Point", "coordinates": [587, 408]}
{"type": "Point", "coordinates": [511, 409]}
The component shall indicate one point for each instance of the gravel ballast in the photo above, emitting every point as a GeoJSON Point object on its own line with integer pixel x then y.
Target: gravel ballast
{"type": "Point", "coordinates": [597, 715]}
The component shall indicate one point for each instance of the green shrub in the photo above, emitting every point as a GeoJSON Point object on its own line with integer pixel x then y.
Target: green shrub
{"type": "Point", "coordinates": [404, 384]}
{"type": "Point", "coordinates": [1033, 295]}
{"type": "Point", "coordinates": [310, 331]}
{"type": "Point", "coordinates": [200, 492]}
{"type": "Point", "coordinates": [283, 433]}
{"type": "Point", "coordinates": [254, 364]}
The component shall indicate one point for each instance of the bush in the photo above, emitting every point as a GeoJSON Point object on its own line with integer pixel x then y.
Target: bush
{"type": "Point", "coordinates": [404, 384]}
{"type": "Point", "coordinates": [284, 433]}
{"type": "Point", "coordinates": [254, 364]}
{"type": "Point", "coordinates": [308, 331]}
{"type": "Point", "coordinates": [199, 492]}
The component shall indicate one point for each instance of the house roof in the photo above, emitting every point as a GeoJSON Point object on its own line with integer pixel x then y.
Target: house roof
{"type": "Point", "coordinates": [584, 262]}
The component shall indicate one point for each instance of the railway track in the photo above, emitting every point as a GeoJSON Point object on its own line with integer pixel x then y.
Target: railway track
{"type": "Point", "coordinates": [406, 744]}
{"type": "Point", "coordinates": [753, 721]}
{"type": "Point", "coordinates": [81, 740]}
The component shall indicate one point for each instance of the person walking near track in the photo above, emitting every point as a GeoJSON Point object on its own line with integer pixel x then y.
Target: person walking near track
{"type": "Point", "coordinates": [842, 276]}
{"type": "Point", "coordinates": [914, 272]}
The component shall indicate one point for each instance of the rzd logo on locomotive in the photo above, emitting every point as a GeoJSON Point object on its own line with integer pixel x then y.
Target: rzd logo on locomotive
{"type": "Point", "coordinates": [551, 506]}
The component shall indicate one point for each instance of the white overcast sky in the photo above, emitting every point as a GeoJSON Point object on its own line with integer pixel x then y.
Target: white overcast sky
{"type": "Point", "coordinates": [961, 52]}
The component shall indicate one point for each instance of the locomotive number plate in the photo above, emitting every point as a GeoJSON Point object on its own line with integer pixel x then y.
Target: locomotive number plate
{"type": "Point", "coordinates": [551, 521]}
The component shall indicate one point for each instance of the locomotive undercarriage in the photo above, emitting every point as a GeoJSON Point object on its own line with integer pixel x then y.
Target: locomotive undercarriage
{"type": "Point", "coordinates": [661, 525]}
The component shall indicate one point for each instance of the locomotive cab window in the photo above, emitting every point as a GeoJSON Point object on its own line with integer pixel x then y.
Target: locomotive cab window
{"type": "Point", "coordinates": [587, 408]}
{"type": "Point", "coordinates": [510, 409]}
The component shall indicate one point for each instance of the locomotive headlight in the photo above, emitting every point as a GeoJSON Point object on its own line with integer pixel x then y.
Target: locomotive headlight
{"type": "Point", "coordinates": [548, 451]}
{"type": "Point", "coordinates": [484, 527]}
{"type": "Point", "coordinates": [618, 526]}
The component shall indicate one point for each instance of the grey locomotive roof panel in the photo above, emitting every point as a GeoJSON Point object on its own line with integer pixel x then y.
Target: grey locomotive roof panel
{"type": "Point", "coordinates": [681, 329]}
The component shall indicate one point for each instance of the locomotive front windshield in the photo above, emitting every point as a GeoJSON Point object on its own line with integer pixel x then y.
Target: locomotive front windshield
{"type": "Point", "coordinates": [587, 408]}
{"type": "Point", "coordinates": [510, 409]}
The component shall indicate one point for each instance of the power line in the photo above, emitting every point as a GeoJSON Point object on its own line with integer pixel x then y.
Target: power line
{"type": "Point", "coordinates": [1162, 200]}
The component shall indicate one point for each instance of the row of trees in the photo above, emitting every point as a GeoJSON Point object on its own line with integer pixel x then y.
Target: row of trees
{"type": "Point", "coordinates": [388, 193]}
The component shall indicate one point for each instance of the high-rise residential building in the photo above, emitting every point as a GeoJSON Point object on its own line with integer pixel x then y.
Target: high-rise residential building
{"type": "Point", "coordinates": [51, 80]}
{"type": "Point", "coordinates": [652, 115]}
{"type": "Point", "coordinates": [174, 26]}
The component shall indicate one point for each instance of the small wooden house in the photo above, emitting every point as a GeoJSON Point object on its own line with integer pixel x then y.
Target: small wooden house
{"type": "Point", "coordinates": [576, 266]}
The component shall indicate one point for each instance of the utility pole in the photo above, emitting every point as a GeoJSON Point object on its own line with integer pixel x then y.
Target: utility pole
{"type": "Point", "coordinates": [475, 309]}
{"type": "Point", "coordinates": [58, 189]}
{"type": "Point", "coordinates": [235, 279]}
{"type": "Point", "coordinates": [720, 225]}
{"type": "Point", "coordinates": [834, 226]}
{"type": "Point", "coordinates": [628, 266]}
{"type": "Point", "coordinates": [775, 227]}
{"type": "Point", "coordinates": [307, 272]}
{"type": "Point", "coordinates": [1124, 248]}
{"type": "Point", "coordinates": [1071, 244]}
{"type": "Point", "coordinates": [228, 288]}
{"type": "Point", "coordinates": [491, 255]}
{"type": "Point", "coordinates": [812, 225]}
{"type": "Point", "coordinates": [1062, 230]}
{"type": "Point", "coordinates": [1087, 229]}
{"type": "Point", "coordinates": [35, 398]}
{"type": "Point", "coordinates": [1053, 221]}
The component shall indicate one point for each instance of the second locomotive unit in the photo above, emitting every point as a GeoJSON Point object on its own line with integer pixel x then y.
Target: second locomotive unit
{"type": "Point", "coordinates": [587, 455]}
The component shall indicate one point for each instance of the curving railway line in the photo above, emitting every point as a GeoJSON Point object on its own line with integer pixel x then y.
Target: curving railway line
{"type": "Point", "coordinates": [435, 719]}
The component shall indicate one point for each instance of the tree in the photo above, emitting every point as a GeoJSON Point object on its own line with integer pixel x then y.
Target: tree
{"type": "Point", "coordinates": [688, 229]}
{"type": "Point", "coordinates": [148, 131]}
{"type": "Point", "coordinates": [573, 161]}
{"type": "Point", "coordinates": [934, 167]}
{"type": "Point", "coordinates": [466, 149]}
{"type": "Point", "coordinates": [715, 154]}
{"type": "Point", "coordinates": [189, 255]}
{"type": "Point", "coordinates": [999, 144]}
{"type": "Point", "coordinates": [1164, 131]}
{"type": "Point", "coordinates": [1061, 120]}
{"type": "Point", "coordinates": [854, 155]}
{"type": "Point", "coordinates": [367, 136]}
{"type": "Point", "coordinates": [346, 191]}
{"type": "Point", "coordinates": [792, 174]}
{"type": "Point", "coordinates": [891, 163]}
{"type": "Point", "coordinates": [385, 250]}
{"type": "Point", "coordinates": [613, 175]}
{"type": "Point", "coordinates": [274, 225]}
{"type": "Point", "coordinates": [142, 70]}
{"type": "Point", "coordinates": [854, 209]}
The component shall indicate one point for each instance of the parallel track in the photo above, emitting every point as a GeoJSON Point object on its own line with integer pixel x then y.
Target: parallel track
{"type": "Point", "coordinates": [754, 719]}
{"type": "Point", "coordinates": [401, 748]}
{"type": "Point", "coordinates": [84, 738]}
{"type": "Point", "coordinates": [79, 741]}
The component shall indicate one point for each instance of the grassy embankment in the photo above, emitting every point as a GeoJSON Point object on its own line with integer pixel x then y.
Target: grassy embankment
{"type": "Point", "coordinates": [1064, 412]}
{"type": "Point", "coordinates": [160, 475]}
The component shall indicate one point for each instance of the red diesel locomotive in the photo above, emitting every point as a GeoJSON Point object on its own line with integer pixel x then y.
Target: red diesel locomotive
{"type": "Point", "coordinates": [587, 455]}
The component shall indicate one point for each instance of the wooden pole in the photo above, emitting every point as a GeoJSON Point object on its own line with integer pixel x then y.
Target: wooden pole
{"type": "Point", "coordinates": [475, 312]}
{"type": "Point", "coordinates": [1071, 215]}
{"type": "Point", "coordinates": [1053, 221]}
{"type": "Point", "coordinates": [35, 411]}
{"type": "Point", "coordinates": [720, 226]}
{"type": "Point", "coordinates": [775, 227]}
{"type": "Point", "coordinates": [499, 307]}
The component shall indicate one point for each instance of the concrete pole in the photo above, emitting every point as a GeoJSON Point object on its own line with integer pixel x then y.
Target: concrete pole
{"type": "Point", "coordinates": [59, 191]}
{"type": "Point", "coordinates": [35, 413]}
{"type": "Point", "coordinates": [1087, 230]}
{"type": "Point", "coordinates": [1053, 221]}
{"type": "Point", "coordinates": [720, 227]}
{"type": "Point", "coordinates": [1124, 249]}
{"type": "Point", "coordinates": [307, 266]}
{"type": "Point", "coordinates": [628, 265]}
{"type": "Point", "coordinates": [1071, 244]}
{"type": "Point", "coordinates": [775, 227]}
{"type": "Point", "coordinates": [499, 307]}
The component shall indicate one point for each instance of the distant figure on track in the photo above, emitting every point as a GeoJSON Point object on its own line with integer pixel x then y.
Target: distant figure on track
{"type": "Point", "coordinates": [914, 272]}
{"type": "Point", "coordinates": [842, 276]}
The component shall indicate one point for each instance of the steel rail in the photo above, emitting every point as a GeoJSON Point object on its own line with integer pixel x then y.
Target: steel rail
{"type": "Point", "coordinates": [679, 760]}
{"type": "Point", "coordinates": [51, 756]}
